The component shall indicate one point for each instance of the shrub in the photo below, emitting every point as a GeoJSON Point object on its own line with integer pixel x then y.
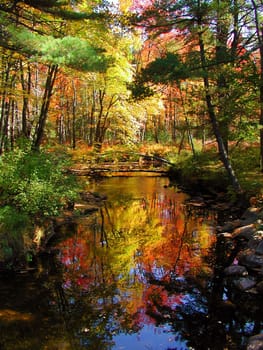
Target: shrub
{"type": "Point", "coordinates": [35, 183]}
{"type": "Point", "coordinates": [15, 230]}
{"type": "Point", "coordinates": [33, 188]}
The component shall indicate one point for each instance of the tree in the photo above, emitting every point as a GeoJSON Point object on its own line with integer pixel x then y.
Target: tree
{"type": "Point", "coordinates": [210, 37]}
{"type": "Point", "coordinates": [210, 106]}
{"type": "Point", "coordinates": [41, 32]}
{"type": "Point", "coordinates": [258, 21]}
{"type": "Point", "coordinates": [103, 110]}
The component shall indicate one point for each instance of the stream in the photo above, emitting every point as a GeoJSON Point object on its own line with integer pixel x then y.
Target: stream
{"type": "Point", "coordinates": [138, 274]}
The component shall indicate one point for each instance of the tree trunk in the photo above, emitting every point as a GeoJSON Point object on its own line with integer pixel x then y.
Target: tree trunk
{"type": "Point", "coordinates": [39, 131]}
{"type": "Point", "coordinates": [187, 123]}
{"type": "Point", "coordinates": [211, 112]}
{"type": "Point", "coordinates": [26, 87]}
{"type": "Point", "coordinates": [74, 107]}
{"type": "Point", "coordinates": [4, 129]}
{"type": "Point", "coordinates": [4, 104]}
{"type": "Point", "coordinates": [259, 33]}
{"type": "Point", "coordinates": [222, 26]}
{"type": "Point", "coordinates": [97, 136]}
{"type": "Point", "coordinates": [8, 85]}
{"type": "Point", "coordinates": [12, 124]}
{"type": "Point", "coordinates": [103, 122]}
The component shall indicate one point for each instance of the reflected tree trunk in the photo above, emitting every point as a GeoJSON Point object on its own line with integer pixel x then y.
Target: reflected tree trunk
{"type": "Point", "coordinates": [103, 234]}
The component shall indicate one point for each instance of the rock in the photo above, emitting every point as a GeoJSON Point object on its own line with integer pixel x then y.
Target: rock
{"type": "Point", "coordinates": [92, 196]}
{"type": "Point", "coordinates": [225, 235]}
{"type": "Point", "coordinates": [245, 231]}
{"type": "Point", "coordinates": [245, 283]}
{"type": "Point", "coordinates": [221, 206]}
{"type": "Point", "coordinates": [253, 201]}
{"type": "Point", "coordinates": [253, 243]}
{"type": "Point", "coordinates": [251, 214]}
{"type": "Point", "coordinates": [255, 342]}
{"type": "Point", "coordinates": [260, 214]}
{"type": "Point", "coordinates": [196, 202]}
{"type": "Point", "coordinates": [99, 196]}
{"type": "Point", "coordinates": [259, 249]}
{"type": "Point", "coordinates": [85, 209]}
{"type": "Point", "coordinates": [259, 287]}
{"type": "Point", "coordinates": [229, 226]}
{"type": "Point", "coordinates": [235, 270]}
{"type": "Point", "coordinates": [90, 210]}
{"type": "Point", "coordinates": [225, 310]}
{"type": "Point", "coordinates": [251, 260]}
{"type": "Point", "coordinates": [258, 234]}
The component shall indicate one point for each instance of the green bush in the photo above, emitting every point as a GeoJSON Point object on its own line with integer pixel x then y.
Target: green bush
{"type": "Point", "coordinates": [33, 188]}
{"type": "Point", "coordinates": [14, 234]}
{"type": "Point", "coordinates": [35, 183]}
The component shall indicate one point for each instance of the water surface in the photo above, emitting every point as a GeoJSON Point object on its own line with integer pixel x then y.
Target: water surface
{"type": "Point", "coordinates": [136, 274]}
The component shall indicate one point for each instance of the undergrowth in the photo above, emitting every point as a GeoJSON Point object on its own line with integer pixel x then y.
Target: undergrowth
{"type": "Point", "coordinates": [33, 188]}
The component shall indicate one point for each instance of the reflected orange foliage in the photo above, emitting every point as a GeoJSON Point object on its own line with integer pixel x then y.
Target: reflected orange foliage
{"type": "Point", "coordinates": [139, 247]}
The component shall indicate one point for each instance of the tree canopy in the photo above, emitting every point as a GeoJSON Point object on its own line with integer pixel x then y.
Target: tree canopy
{"type": "Point", "coordinates": [90, 72]}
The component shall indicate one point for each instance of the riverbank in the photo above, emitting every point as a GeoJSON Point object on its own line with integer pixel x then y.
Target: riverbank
{"type": "Point", "coordinates": [239, 236]}
{"type": "Point", "coordinates": [240, 270]}
{"type": "Point", "coordinates": [243, 275]}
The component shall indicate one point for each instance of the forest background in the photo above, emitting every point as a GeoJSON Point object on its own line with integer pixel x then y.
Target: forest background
{"type": "Point", "coordinates": [88, 81]}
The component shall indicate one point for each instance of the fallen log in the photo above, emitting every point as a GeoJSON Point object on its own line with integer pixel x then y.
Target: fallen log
{"type": "Point", "coordinates": [153, 157]}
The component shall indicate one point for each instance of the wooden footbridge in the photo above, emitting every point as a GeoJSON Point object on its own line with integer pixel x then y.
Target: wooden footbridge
{"type": "Point", "coordinates": [147, 165]}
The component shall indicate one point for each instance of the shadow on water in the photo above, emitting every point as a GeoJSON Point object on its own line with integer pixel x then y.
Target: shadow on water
{"type": "Point", "coordinates": [144, 272]}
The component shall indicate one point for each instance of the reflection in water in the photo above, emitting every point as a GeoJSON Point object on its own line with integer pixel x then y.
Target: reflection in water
{"type": "Point", "coordinates": [132, 258]}
{"type": "Point", "coordinates": [137, 274]}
